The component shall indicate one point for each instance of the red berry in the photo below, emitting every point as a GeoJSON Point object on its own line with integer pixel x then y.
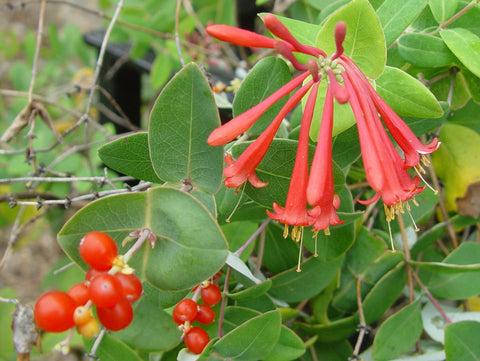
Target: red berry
{"type": "Point", "coordinates": [211, 295]}
{"type": "Point", "coordinates": [131, 286]}
{"type": "Point", "coordinates": [54, 311]}
{"type": "Point", "coordinates": [196, 339]}
{"type": "Point", "coordinates": [105, 290]}
{"type": "Point", "coordinates": [185, 310]}
{"type": "Point", "coordinates": [92, 273]}
{"type": "Point", "coordinates": [98, 250]}
{"type": "Point", "coordinates": [79, 293]}
{"type": "Point", "coordinates": [205, 315]}
{"type": "Point", "coordinates": [118, 317]}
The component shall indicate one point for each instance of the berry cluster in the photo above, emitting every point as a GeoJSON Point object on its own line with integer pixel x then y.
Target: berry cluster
{"type": "Point", "coordinates": [188, 311]}
{"type": "Point", "coordinates": [106, 286]}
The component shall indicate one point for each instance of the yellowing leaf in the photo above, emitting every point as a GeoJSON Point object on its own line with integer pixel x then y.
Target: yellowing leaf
{"type": "Point", "coordinates": [457, 161]}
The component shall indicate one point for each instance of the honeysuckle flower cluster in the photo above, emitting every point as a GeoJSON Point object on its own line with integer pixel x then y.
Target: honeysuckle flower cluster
{"type": "Point", "coordinates": [311, 200]}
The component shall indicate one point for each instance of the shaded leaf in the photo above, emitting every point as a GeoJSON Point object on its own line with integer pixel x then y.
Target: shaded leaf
{"type": "Point", "coordinates": [458, 285]}
{"type": "Point", "coordinates": [398, 333]}
{"type": "Point", "coordinates": [152, 329]}
{"type": "Point", "coordinates": [112, 349]}
{"type": "Point", "coordinates": [252, 340]}
{"type": "Point", "coordinates": [288, 347]}
{"type": "Point", "coordinates": [294, 286]}
{"type": "Point", "coordinates": [461, 341]}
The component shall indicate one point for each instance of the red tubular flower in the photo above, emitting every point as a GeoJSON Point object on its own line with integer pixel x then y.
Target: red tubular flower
{"type": "Point", "coordinates": [403, 135]}
{"type": "Point", "coordinates": [240, 37]}
{"type": "Point", "coordinates": [295, 211]}
{"type": "Point", "coordinates": [244, 167]}
{"type": "Point", "coordinates": [383, 165]}
{"type": "Point", "coordinates": [238, 125]}
{"type": "Point", "coordinates": [320, 189]}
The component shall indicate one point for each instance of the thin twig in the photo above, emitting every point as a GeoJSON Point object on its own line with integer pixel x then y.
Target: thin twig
{"type": "Point", "coordinates": [101, 55]}
{"type": "Point", "coordinates": [98, 180]}
{"type": "Point", "coordinates": [177, 35]}
{"type": "Point", "coordinates": [13, 235]}
{"type": "Point", "coordinates": [432, 299]}
{"type": "Point", "coordinates": [85, 197]}
{"type": "Point", "coordinates": [37, 51]}
{"type": "Point", "coordinates": [255, 234]}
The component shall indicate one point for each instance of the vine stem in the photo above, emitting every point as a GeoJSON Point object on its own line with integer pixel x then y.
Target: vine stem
{"type": "Point", "coordinates": [406, 250]}
{"type": "Point", "coordinates": [255, 234]}
{"type": "Point", "coordinates": [363, 325]}
{"type": "Point", "coordinates": [221, 316]}
{"type": "Point", "coordinates": [457, 15]}
{"type": "Point", "coordinates": [432, 299]}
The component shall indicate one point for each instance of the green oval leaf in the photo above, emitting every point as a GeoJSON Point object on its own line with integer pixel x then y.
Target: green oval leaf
{"type": "Point", "coordinates": [266, 77]}
{"type": "Point", "coordinates": [182, 118]}
{"type": "Point", "coordinates": [152, 329]}
{"type": "Point", "coordinates": [461, 341]}
{"type": "Point", "coordinates": [465, 45]}
{"type": "Point", "coordinates": [425, 50]}
{"type": "Point", "coordinates": [417, 102]}
{"type": "Point", "coordinates": [294, 286]}
{"type": "Point", "coordinates": [438, 267]}
{"type": "Point", "coordinates": [334, 331]}
{"type": "Point", "coordinates": [112, 349]}
{"type": "Point", "coordinates": [364, 42]}
{"type": "Point", "coordinates": [190, 246]}
{"type": "Point", "coordinates": [345, 298]}
{"type": "Point", "coordinates": [251, 292]}
{"type": "Point", "coordinates": [459, 285]}
{"type": "Point", "coordinates": [398, 333]}
{"type": "Point", "coordinates": [252, 340]}
{"type": "Point", "coordinates": [384, 293]}
{"type": "Point", "coordinates": [396, 16]}
{"type": "Point", "coordinates": [443, 9]}
{"type": "Point", "coordinates": [129, 155]}
{"type": "Point", "coordinates": [289, 347]}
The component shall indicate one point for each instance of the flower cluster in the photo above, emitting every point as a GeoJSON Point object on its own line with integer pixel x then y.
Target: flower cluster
{"type": "Point", "coordinates": [311, 200]}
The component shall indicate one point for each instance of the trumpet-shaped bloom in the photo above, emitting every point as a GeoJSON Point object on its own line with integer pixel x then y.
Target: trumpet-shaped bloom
{"type": "Point", "coordinates": [384, 167]}
{"type": "Point", "coordinates": [320, 189]}
{"type": "Point", "coordinates": [295, 211]}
